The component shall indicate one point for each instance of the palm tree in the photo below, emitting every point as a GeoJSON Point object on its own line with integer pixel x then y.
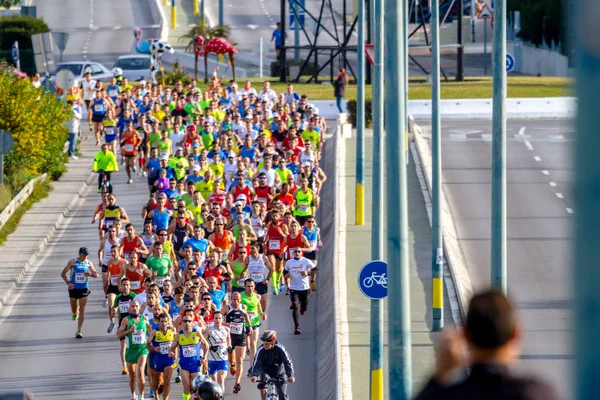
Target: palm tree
{"type": "Point", "coordinates": [207, 33]}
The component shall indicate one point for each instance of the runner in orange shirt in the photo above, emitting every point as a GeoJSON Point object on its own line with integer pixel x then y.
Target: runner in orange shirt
{"type": "Point", "coordinates": [129, 147]}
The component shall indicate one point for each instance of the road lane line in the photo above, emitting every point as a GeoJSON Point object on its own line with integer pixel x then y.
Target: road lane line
{"type": "Point", "coordinates": [560, 195]}
{"type": "Point", "coordinates": [553, 184]}
{"type": "Point", "coordinates": [545, 172]}
{"type": "Point", "coordinates": [536, 158]}
{"type": "Point", "coordinates": [570, 210]}
{"type": "Point", "coordinates": [527, 142]}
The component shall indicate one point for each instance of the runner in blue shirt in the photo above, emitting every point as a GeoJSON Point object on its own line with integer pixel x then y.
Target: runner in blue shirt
{"type": "Point", "coordinates": [277, 37]}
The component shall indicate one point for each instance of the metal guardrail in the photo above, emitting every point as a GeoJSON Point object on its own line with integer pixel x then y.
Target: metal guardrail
{"type": "Point", "coordinates": [19, 199]}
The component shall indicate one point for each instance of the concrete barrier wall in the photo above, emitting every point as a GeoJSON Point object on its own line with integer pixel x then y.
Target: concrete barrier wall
{"type": "Point", "coordinates": [19, 199]}
{"type": "Point", "coordinates": [531, 60]}
{"type": "Point", "coordinates": [328, 369]}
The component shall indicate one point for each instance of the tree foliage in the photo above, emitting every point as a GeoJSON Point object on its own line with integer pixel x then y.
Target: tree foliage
{"type": "Point", "coordinates": [19, 28]}
{"type": "Point", "coordinates": [542, 21]}
{"type": "Point", "coordinates": [207, 33]}
{"type": "Point", "coordinates": [36, 120]}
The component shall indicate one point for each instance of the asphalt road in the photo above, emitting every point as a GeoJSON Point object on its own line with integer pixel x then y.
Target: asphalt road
{"type": "Point", "coordinates": [540, 216]}
{"type": "Point", "coordinates": [37, 337]}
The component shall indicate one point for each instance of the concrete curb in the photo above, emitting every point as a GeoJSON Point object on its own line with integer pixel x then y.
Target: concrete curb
{"type": "Point", "coordinates": [19, 199]}
{"type": "Point", "coordinates": [530, 108]}
{"type": "Point", "coordinates": [160, 18]}
{"type": "Point", "coordinates": [452, 250]}
{"type": "Point", "coordinates": [26, 268]}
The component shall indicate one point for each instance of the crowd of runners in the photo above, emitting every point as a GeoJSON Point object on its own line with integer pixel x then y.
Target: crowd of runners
{"type": "Point", "coordinates": [233, 182]}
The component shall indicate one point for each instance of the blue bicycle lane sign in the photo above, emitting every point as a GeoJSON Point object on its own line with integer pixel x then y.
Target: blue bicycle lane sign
{"type": "Point", "coordinates": [372, 280]}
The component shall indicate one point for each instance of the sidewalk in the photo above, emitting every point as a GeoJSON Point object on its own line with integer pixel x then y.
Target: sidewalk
{"type": "Point", "coordinates": [185, 20]}
{"type": "Point", "coordinates": [358, 253]}
{"type": "Point", "coordinates": [39, 224]}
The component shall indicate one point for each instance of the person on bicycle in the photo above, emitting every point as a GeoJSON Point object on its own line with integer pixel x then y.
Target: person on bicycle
{"type": "Point", "coordinates": [105, 163]}
{"type": "Point", "coordinates": [273, 361]}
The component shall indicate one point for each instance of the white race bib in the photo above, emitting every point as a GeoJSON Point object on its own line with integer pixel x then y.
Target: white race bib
{"type": "Point", "coordinates": [175, 316]}
{"type": "Point", "coordinates": [128, 148]}
{"type": "Point", "coordinates": [109, 130]}
{"type": "Point", "coordinates": [80, 278]}
{"type": "Point", "coordinates": [159, 281]}
{"type": "Point", "coordinates": [189, 350]}
{"type": "Point", "coordinates": [113, 280]}
{"type": "Point", "coordinates": [274, 244]}
{"type": "Point", "coordinates": [135, 285]}
{"type": "Point", "coordinates": [126, 256]}
{"type": "Point", "coordinates": [124, 307]}
{"type": "Point", "coordinates": [164, 347]}
{"type": "Point", "coordinates": [236, 328]}
{"type": "Point", "coordinates": [296, 272]}
{"type": "Point", "coordinates": [258, 278]}
{"type": "Point", "coordinates": [113, 93]}
{"type": "Point", "coordinates": [303, 208]}
{"type": "Point", "coordinates": [313, 244]}
{"type": "Point", "coordinates": [251, 315]}
{"type": "Point", "coordinates": [138, 338]}
{"type": "Point", "coordinates": [98, 107]}
{"type": "Point", "coordinates": [241, 281]}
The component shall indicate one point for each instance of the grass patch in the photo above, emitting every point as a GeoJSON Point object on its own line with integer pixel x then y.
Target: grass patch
{"type": "Point", "coordinates": [40, 190]}
{"type": "Point", "coordinates": [471, 88]}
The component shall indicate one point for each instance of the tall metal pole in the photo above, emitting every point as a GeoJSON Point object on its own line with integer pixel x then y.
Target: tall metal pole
{"type": "Point", "coordinates": [399, 341]}
{"type": "Point", "coordinates": [173, 15]}
{"type": "Point", "coordinates": [202, 15]}
{"type": "Point", "coordinates": [221, 13]}
{"type": "Point", "coordinates": [499, 150]}
{"type": "Point", "coordinates": [437, 257]}
{"type": "Point", "coordinates": [485, 57]}
{"type": "Point", "coordinates": [359, 212]}
{"type": "Point", "coordinates": [282, 62]}
{"type": "Point", "coordinates": [260, 60]}
{"type": "Point", "coordinates": [296, 33]}
{"type": "Point", "coordinates": [473, 21]}
{"type": "Point", "coordinates": [587, 203]}
{"type": "Point", "coordinates": [405, 102]}
{"type": "Point", "coordinates": [378, 207]}
{"type": "Point", "coordinates": [460, 53]}
{"type": "Point", "coordinates": [369, 21]}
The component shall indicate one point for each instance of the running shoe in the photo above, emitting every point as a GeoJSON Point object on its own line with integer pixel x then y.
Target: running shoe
{"type": "Point", "coordinates": [124, 371]}
{"type": "Point", "coordinates": [232, 369]}
{"type": "Point", "coordinates": [297, 331]}
{"type": "Point", "coordinates": [161, 389]}
{"type": "Point", "coordinates": [99, 190]}
{"type": "Point", "coordinates": [78, 335]}
{"type": "Point", "coordinates": [274, 292]}
{"type": "Point", "coordinates": [110, 327]}
{"type": "Point", "coordinates": [130, 181]}
{"type": "Point", "coordinates": [302, 312]}
{"type": "Point", "coordinates": [287, 291]}
{"type": "Point", "coordinates": [281, 287]}
{"type": "Point", "coordinates": [236, 388]}
{"type": "Point", "coordinates": [250, 372]}
{"type": "Point", "coordinates": [178, 379]}
{"type": "Point", "coordinates": [152, 394]}
{"type": "Point", "coordinates": [105, 304]}
{"type": "Point", "coordinates": [74, 317]}
{"type": "Point", "coordinates": [144, 174]}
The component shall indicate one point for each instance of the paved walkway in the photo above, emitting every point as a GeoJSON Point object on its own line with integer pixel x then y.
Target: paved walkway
{"type": "Point", "coordinates": [41, 222]}
{"type": "Point", "coordinates": [358, 252]}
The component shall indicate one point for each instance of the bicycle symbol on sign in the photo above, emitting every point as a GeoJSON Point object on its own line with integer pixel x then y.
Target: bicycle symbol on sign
{"type": "Point", "coordinates": [376, 279]}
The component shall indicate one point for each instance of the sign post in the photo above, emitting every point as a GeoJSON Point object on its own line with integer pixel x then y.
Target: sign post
{"type": "Point", "coordinates": [372, 280]}
{"type": "Point", "coordinates": [510, 62]}
{"type": "Point", "coordinates": [485, 14]}
{"type": "Point", "coordinates": [6, 145]}
{"type": "Point", "coordinates": [61, 39]}
{"type": "Point", "coordinates": [15, 55]}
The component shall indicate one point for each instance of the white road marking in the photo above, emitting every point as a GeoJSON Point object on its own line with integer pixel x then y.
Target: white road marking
{"type": "Point", "coordinates": [553, 184]}
{"type": "Point", "coordinates": [560, 195]}
{"type": "Point", "coordinates": [570, 210]}
{"type": "Point", "coordinates": [486, 137]}
{"type": "Point", "coordinates": [458, 136]}
{"type": "Point", "coordinates": [527, 142]}
{"type": "Point", "coordinates": [536, 158]}
{"type": "Point", "coordinates": [545, 172]}
{"type": "Point", "coordinates": [117, 27]}
{"type": "Point", "coordinates": [556, 138]}
{"type": "Point", "coordinates": [253, 27]}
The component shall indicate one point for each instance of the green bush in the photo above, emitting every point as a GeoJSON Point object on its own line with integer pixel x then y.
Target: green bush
{"type": "Point", "coordinates": [20, 28]}
{"type": "Point", "coordinates": [542, 21]}
{"type": "Point", "coordinates": [178, 73]}
{"type": "Point", "coordinates": [36, 120]}
{"type": "Point", "coordinates": [368, 112]}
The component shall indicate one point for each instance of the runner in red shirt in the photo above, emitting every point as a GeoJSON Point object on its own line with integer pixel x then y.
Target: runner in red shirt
{"type": "Point", "coordinates": [129, 148]}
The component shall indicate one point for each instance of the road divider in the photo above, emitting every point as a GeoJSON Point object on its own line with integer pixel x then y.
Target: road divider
{"type": "Point", "coordinates": [452, 250]}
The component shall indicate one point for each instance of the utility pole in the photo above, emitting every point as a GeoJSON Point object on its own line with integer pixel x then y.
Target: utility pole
{"type": "Point", "coordinates": [460, 51]}
{"type": "Point", "coordinates": [377, 206]}
{"type": "Point", "coordinates": [221, 13]}
{"type": "Point", "coordinates": [498, 256]}
{"type": "Point", "coordinates": [359, 208]}
{"type": "Point", "coordinates": [282, 62]}
{"type": "Point", "coordinates": [296, 32]}
{"type": "Point", "coordinates": [586, 275]}
{"type": "Point", "coordinates": [437, 257]}
{"type": "Point", "coordinates": [173, 15]}
{"type": "Point", "coordinates": [400, 375]}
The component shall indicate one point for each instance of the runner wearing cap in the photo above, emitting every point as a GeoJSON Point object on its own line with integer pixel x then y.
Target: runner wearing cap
{"type": "Point", "coordinates": [81, 269]}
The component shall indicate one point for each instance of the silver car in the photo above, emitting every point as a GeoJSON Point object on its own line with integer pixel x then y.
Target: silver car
{"type": "Point", "coordinates": [80, 68]}
{"type": "Point", "coordinates": [135, 66]}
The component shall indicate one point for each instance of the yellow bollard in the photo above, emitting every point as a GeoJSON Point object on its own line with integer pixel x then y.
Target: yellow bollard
{"type": "Point", "coordinates": [377, 384]}
{"type": "Point", "coordinates": [173, 16]}
{"type": "Point", "coordinates": [360, 204]}
{"type": "Point", "coordinates": [196, 8]}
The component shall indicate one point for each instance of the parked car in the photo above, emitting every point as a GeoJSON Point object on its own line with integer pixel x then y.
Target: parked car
{"type": "Point", "coordinates": [135, 67]}
{"type": "Point", "coordinates": [80, 68]}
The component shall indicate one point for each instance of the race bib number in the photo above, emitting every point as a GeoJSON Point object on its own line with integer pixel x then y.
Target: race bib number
{"type": "Point", "coordinates": [128, 148]}
{"type": "Point", "coordinates": [126, 256]}
{"type": "Point", "coordinates": [113, 93]}
{"type": "Point", "coordinates": [262, 199]}
{"type": "Point", "coordinates": [303, 208]}
{"type": "Point", "coordinates": [274, 245]}
{"type": "Point", "coordinates": [80, 278]}
{"type": "Point", "coordinates": [224, 255]}
{"type": "Point", "coordinates": [159, 281]}
{"type": "Point", "coordinates": [124, 307]}
{"type": "Point", "coordinates": [98, 107]}
{"type": "Point", "coordinates": [135, 285]}
{"type": "Point", "coordinates": [209, 324]}
{"type": "Point", "coordinates": [258, 278]}
{"type": "Point", "coordinates": [175, 316]}
{"type": "Point", "coordinates": [296, 272]}
{"type": "Point", "coordinates": [164, 153]}
{"type": "Point", "coordinates": [313, 244]}
{"type": "Point", "coordinates": [164, 347]}
{"type": "Point", "coordinates": [242, 281]}
{"type": "Point", "coordinates": [236, 328]}
{"type": "Point", "coordinates": [252, 316]}
{"type": "Point", "coordinates": [110, 131]}
{"type": "Point", "coordinates": [189, 350]}
{"type": "Point", "coordinates": [138, 338]}
{"type": "Point", "coordinates": [113, 280]}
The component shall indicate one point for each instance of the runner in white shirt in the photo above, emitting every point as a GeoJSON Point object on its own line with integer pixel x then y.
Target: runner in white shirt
{"type": "Point", "coordinates": [89, 91]}
{"type": "Point", "coordinates": [299, 270]}
{"type": "Point", "coordinates": [267, 93]}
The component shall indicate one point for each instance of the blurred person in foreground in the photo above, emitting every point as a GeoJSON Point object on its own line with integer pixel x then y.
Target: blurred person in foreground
{"type": "Point", "coordinates": [487, 345]}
